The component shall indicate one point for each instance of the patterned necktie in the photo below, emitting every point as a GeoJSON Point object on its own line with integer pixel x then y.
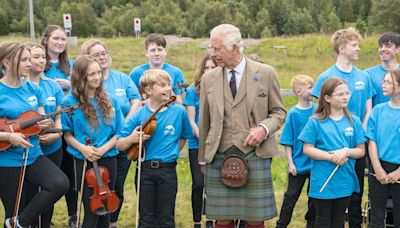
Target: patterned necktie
{"type": "Point", "coordinates": [232, 84]}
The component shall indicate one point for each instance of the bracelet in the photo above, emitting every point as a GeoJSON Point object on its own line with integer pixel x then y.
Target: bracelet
{"type": "Point", "coordinates": [348, 152]}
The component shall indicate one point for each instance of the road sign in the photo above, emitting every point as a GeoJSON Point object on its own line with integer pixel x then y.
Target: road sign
{"type": "Point", "coordinates": [137, 26]}
{"type": "Point", "coordinates": [67, 21]}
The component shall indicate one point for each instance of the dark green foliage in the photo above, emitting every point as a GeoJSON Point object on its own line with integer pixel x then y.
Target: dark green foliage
{"type": "Point", "coordinates": [195, 18]}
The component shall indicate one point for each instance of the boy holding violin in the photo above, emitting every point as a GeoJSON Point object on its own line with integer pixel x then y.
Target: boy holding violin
{"type": "Point", "coordinates": [91, 136]}
{"type": "Point", "coordinates": [161, 149]}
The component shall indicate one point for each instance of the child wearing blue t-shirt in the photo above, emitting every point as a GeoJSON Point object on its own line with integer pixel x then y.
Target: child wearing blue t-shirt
{"type": "Point", "coordinates": [158, 186]}
{"type": "Point", "coordinates": [345, 43]}
{"type": "Point", "coordinates": [333, 138]}
{"type": "Point", "coordinates": [98, 118]}
{"type": "Point", "coordinates": [299, 164]}
{"type": "Point", "coordinates": [58, 67]}
{"type": "Point", "coordinates": [18, 96]}
{"type": "Point", "coordinates": [121, 86]}
{"type": "Point", "coordinates": [389, 47]}
{"type": "Point", "coordinates": [156, 52]}
{"type": "Point", "coordinates": [192, 101]}
{"type": "Point", "coordinates": [383, 131]}
{"type": "Point", "coordinates": [50, 143]}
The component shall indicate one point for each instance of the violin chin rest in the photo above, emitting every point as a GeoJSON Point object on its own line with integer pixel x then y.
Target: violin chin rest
{"type": "Point", "coordinates": [101, 211]}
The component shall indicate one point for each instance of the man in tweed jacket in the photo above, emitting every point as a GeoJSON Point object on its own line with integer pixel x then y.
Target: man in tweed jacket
{"type": "Point", "coordinates": [240, 110]}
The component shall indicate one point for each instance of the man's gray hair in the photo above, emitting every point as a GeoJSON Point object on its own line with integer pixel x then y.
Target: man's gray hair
{"type": "Point", "coordinates": [230, 35]}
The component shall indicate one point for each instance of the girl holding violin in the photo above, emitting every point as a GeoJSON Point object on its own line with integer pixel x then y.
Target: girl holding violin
{"type": "Point", "coordinates": [18, 97]}
{"type": "Point", "coordinates": [90, 134]}
{"type": "Point", "coordinates": [50, 143]}
{"type": "Point", "coordinates": [122, 87]}
{"type": "Point", "coordinates": [158, 168]}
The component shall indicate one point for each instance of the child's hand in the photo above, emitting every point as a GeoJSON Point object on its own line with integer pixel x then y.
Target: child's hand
{"type": "Point", "coordinates": [393, 177]}
{"type": "Point", "coordinates": [292, 169]}
{"type": "Point", "coordinates": [91, 153]}
{"type": "Point", "coordinates": [381, 176]}
{"type": "Point", "coordinates": [339, 157]}
{"type": "Point", "coordinates": [135, 135]}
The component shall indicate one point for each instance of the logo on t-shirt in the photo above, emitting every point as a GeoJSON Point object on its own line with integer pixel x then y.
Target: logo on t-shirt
{"type": "Point", "coordinates": [359, 85]}
{"type": "Point", "coordinates": [33, 101]}
{"type": "Point", "coordinates": [119, 92]}
{"type": "Point", "coordinates": [169, 130]}
{"type": "Point", "coordinates": [349, 131]}
{"type": "Point", "coordinates": [51, 101]}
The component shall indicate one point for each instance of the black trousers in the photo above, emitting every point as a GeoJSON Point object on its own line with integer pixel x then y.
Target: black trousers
{"type": "Point", "coordinates": [330, 212]}
{"type": "Point", "coordinates": [123, 165]}
{"type": "Point", "coordinates": [91, 220]}
{"type": "Point", "coordinates": [355, 211]}
{"type": "Point", "coordinates": [44, 173]}
{"type": "Point", "coordinates": [292, 194]}
{"type": "Point", "coordinates": [68, 166]}
{"type": "Point", "coordinates": [378, 196]}
{"type": "Point", "coordinates": [158, 188]}
{"type": "Point", "coordinates": [197, 185]}
{"type": "Point", "coordinates": [31, 190]}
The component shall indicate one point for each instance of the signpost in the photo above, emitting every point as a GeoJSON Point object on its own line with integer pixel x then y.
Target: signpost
{"type": "Point", "coordinates": [137, 26]}
{"type": "Point", "coordinates": [67, 23]}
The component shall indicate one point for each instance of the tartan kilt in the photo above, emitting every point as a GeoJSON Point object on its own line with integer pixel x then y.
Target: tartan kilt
{"type": "Point", "coordinates": [253, 202]}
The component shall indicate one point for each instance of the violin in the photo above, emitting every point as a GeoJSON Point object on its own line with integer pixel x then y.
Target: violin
{"type": "Point", "coordinates": [180, 85]}
{"type": "Point", "coordinates": [103, 200]}
{"type": "Point", "coordinates": [27, 124]}
{"type": "Point", "coordinates": [148, 126]}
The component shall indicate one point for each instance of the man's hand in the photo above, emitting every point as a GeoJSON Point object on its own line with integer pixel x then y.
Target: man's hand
{"type": "Point", "coordinates": [255, 137]}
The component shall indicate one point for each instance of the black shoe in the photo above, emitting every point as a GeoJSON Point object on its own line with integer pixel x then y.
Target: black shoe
{"type": "Point", "coordinates": [209, 224]}
{"type": "Point", "coordinates": [197, 225]}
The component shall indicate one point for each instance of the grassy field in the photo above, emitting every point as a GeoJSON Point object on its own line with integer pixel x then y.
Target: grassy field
{"type": "Point", "coordinates": [305, 55]}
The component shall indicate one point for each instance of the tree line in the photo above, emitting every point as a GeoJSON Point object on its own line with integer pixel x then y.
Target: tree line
{"type": "Point", "coordinates": [195, 18]}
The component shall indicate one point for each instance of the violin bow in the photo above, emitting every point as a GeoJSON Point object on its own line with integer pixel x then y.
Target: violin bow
{"type": "Point", "coordinates": [79, 205]}
{"type": "Point", "coordinates": [20, 184]}
{"type": "Point", "coordinates": [139, 164]}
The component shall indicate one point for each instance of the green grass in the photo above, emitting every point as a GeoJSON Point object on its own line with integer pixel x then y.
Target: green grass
{"type": "Point", "coordinates": [309, 55]}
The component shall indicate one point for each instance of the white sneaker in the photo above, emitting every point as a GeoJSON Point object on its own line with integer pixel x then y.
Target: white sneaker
{"type": "Point", "coordinates": [11, 221]}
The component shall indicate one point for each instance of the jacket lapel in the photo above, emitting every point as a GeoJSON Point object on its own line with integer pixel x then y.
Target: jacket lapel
{"type": "Point", "coordinates": [253, 80]}
{"type": "Point", "coordinates": [219, 91]}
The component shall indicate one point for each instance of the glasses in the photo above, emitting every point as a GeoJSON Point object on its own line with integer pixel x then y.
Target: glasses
{"type": "Point", "coordinates": [387, 83]}
{"type": "Point", "coordinates": [97, 55]}
{"type": "Point", "coordinates": [345, 94]}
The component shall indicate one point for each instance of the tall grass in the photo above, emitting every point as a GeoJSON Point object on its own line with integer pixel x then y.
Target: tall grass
{"type": "Point", "coordinates": [309, 55]}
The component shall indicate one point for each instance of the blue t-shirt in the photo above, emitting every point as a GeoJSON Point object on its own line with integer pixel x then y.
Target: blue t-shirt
{"type": "Point", "coordinates": [191, 99]}
{"type": "Point", "coordinates": [53, 96]}
{"type": "Point", "coordinates": [359, 84]}
{"type": "Point", "coordinates": [295, 122]}
{"type": "Point", "coordinates": [121, 86]}
{"type": "Point", "coordinates": [172, 125]}
{"type": "Point", "coordinates": [55, 72]}
{"type": "Point", "coordinates": [329, 135]}
{"type": "Point", "coordinates": [377, 73]}
{"type": "Point", "coordinates": [79, 126]}
{"type": "Point", "coordinates": [173, 71]}
{"type": "Point", "coordinates": [384, 128]}
{"type": "Point", "coordinates": [14, 102]}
